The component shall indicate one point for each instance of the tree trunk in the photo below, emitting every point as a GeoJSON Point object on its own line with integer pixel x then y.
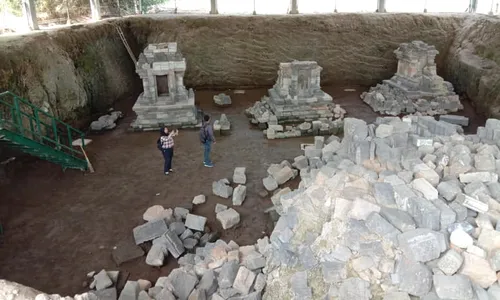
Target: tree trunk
{"type": "Point", "coordinates": [118, 8]}
{"type": "Point", "coordinates": [294, 8]}
{"type": "Point", "coordinates": [213, 7]}
{"type": "Point", "coordinates": [136, 6]}
{"type": "Point", "coordinates": [68, 18]}
{"type": "Point", "coordinates": [29, 11]}
{"type": "Point", "coordinates": [95, 7]}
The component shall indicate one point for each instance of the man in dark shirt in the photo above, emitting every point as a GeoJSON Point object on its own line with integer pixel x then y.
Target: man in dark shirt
{"type": "Point", "coordinates": [207, 139]}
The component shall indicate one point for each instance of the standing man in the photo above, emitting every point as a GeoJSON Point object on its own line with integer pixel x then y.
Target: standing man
{"type": "Point", "coordinates": [207, 138]}
{"type": "Point", "coordinates": [166, 145]}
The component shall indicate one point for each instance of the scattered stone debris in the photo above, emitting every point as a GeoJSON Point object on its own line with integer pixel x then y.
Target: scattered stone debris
{"type": "Point", "coordinates": [222, 100]}
{"type": "Point", "coordinates": [415, 87]}
{"type": "Point", "coordinates": [106, 122]}
{"type": "Point", "coordinates": [239, 176]}
{"type": "Point", "coordinates": [200, 199]}
{"type": "Point", "coordinates": [222, 188]}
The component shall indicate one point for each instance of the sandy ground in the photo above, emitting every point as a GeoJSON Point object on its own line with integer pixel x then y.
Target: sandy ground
{"type": "Point", "coordinates": [59, 226]}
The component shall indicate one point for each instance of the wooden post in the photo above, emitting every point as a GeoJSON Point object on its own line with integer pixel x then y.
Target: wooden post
{"type": "Point", "coordinates": [213, 7]}
{"type": "Point", "coordinates": [294, 8]}
{"type": "Point", "coordinates": [91, 168]}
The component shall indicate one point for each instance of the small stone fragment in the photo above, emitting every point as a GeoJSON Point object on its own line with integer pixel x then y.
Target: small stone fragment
{"type": "Point", "coordinates": [228, 218]}
{"type": "Point", "coordinates": [239, 176]}
{"type": "Point", "coordinates": [239, 195]}
{"type": "Point", "coordinates": [195, 222]}
{"type": "Point", "coordinates": [244, 280]}
{"type": "Point", "coordinates": [200, 199]}
{"type": "Point", "coordinates": [149, 231]}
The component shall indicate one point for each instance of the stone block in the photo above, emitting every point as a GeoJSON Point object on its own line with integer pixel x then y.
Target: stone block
{"type": "Point", "coordinates": [424, 187]}
{"type": "Point", "coordinates": [461, 239]}
{"type": "Point", "coordinates": [126, 250]}
{"type": "Point", "coordinates": [244, 280]}
{"type": "Point", "coordinates": [311, 151]}
{"type": "Point", "coordinates": [156, 255]}
{"type": "Point", "coordinates": [197, 294]}
{"type": "Point", "coordinates": [174, 244]}
{"type": "Point", "coordinates": [495, 260]}
{"type": "Point", "coordinates": [355, 288]}
{"type": "Point", "coordinates": [149, 231]}
{"type": "Point", "coordinates": [422, 244]}
{"type": "Point", "coordinates": [208, 283]}
{"type": "Point", "coordinates": [220, 207]}
{"type": "Point", "coordinates": [377, 224]}
{"type": "Point", "coordinates": [239, 195]}
{"type": "Point", "coordinates": [361, 209]}
{"type": "Point", "coordinates": [283, 175]}
{"type": "Point", "coordinates": [154, 212]}
{"type": "Point", "coordinates": [107, 294]}
{"type": "Point", "coordinates": [413, 277]}
{"type": "Point", "coordinates": [478, 269]}
{"type": "Point", "coordinates": [180, 213]}
{"type": "Point", "coordinates": [222, 189]}
{"type": "Point", "coordinates": [453, 287]}
{"type": "Point", "coordinates": [300, 162]}
{"type": "Point", "coordinates": [425, 213]}
{"type": "Point", "coordinates": [472, 203]}
{"type": "Point", "coordinates": [239, 176]}
{"type": "Point", "coordinates": [319, 142]}
{"type": "Point", "coordinates": [228, 218]}
{"type": "Point", "coordinates": [384, 130]}
{"type": "Point", "coordinates": [486, 177]}
{"type": "Point", "coordinates": [450, 262]}
{"type": "Point", "coordinates": [255, 261]}
{"type": "Point", "coordinates": [130, 291]}
{"type": "Point", "coordinates": [299, 287]}
{"type": "Point", "coordinates": [362, 263]}
{"type": "Point", "coordinates": [485, 162]}
{"type": "Point", "coordinates": [448, 215]}
{"type": "Point", "coordinates": [228, 273]}
{"type": "Point", "coordinates": [183, 283]}
{"type": "Point", "coordinates": [270, 183]}
{"type": "Point", "coordinates": [494, 189]}
{"type": "Point", "coordinates": [489, 239]}
{"type": "Point", "coordinates": [398, 218]}
{"type": "Point", "coordinates": [476, 188]}
{"type": "Point", "coordinates": [195, 222]}
{"type": "Point", "coordinates": [402, 195]}
{"type": "Point", "coordinates": [453, 119]}
{"type": "Point", "coordinates": [260, 282]}
{"type": "Point", "coordinates": [448, 190]}
{"type": "Point", "coordinates": [102, 281]}
{"type": "Point", "coordinates": [384, 194]}
{"type": "Point", "coordinates": [177, 227]}
{"type": "Point", "coordinates": [460, 210]}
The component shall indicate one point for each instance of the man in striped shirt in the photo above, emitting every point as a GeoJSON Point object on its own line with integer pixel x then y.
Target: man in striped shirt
{"type": "Point", "coordinates": [167, 147]}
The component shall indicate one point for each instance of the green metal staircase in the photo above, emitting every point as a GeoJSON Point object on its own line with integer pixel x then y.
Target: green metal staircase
{"type": "Point", "coordinates": [31, 130]}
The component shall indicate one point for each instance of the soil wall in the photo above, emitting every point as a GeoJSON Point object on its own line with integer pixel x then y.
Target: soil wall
{"type": "Point", "coordinates": [85, 69]}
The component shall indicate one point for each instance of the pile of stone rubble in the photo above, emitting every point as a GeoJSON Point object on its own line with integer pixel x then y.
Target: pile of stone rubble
{"type": "Point", "coordinates": [222, 100]}
{"type": "Point", "coordinates": [397, 209]}
{"type": "Point", "coordinates": [106, 122]}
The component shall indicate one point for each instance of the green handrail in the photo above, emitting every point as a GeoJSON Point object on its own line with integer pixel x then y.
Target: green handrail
{"type": "Point", "coordinates": [14, 104]}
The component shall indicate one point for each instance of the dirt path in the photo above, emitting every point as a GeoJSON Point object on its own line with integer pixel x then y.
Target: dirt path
{"type": "Point", "coordinates": [59, 226]}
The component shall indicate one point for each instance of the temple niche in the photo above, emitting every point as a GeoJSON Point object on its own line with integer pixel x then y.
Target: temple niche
{"type": "Point", "coordinates": [415, 87]}
{"type": "Point", "coordinates": [165, 100]}
{"type": "Point", "coordinates": [297, 94]}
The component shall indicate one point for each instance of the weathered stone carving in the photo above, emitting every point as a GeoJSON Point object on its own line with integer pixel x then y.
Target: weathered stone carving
{"type": "Point", "coordinates": [165, 100]}
{"type": "Point", "coordinates": [415, 87]}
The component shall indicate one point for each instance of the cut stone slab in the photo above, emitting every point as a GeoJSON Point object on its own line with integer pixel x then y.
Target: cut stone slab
{"type": "Point", "coordinates": [260, 282]}
{"type": "Point", "coordinates": [270, 183]}
{"type": "Point", "coordinates": [126, 250]}
{"type": "Point", "coordinates": [355, 288]}
{"type": "Point", "coordinates": [457, 287]}
{"type": "Point", "coordinates": [153, 213]}
{"type": "Point", "coordinates": [107, 294]}
{"type": "Point", "coordinates": [228, 218]}
{"type": "Point", "coordinates": [195, 222]}
{"type": "Point", "coordinates": [472, 203]}
{"type": "Point", "coordinates": [228, 273]}
{"type": "Point", "coordinates": [424, 187]}
{"type": "Point", "coordinates": [130, 291]}
{"type": "Point", "coordinates": [222, 189]}
{"type": "Point", "coordinates": [200, 199]}
{"type": "Point", "coordinates": [156, 255]}
{"type": "Point", "coordinates": [244, 280]}
{"type": "Point", "coordinates": [414, 278]}
{"type": "Point", "coordinates": [478, 269]}
{"type": "Point", "coordinates": [149, 231]}
{"type": "Point", "coordinates": [448, 190]}
{"type": "Point", "coordinates": [453, 119]}
{"type": "Point", "coordinates": [283, 175]}
{"type": "Point", "coordinates": [450, 262]}
{"type": "Point", "coordinates": [180, 213]}
{"type": "Point", "coordinates": [174, 244]}
{"type": "Point", "coordinates": [398, 218]}
{"type": "Point", "coordinates": [377, 224]}
{"type": "Point", "coordinates": [425, 213]}
{"type": "Point", "coordinates": [183, 283]}
{"type": "Point", "coordinates": [422, 244]}
{"type": "Point", "coordinates": [220, 207]}
{"type": "Point", "coordinates": [486, 177]}
{"type": "Point", "coordinates": [102, 280]}
{"type": "Point", "coordinates": [384, 194]}
{"type": "Point", "coordinates": [239, 195]}
{"type": "Point", "coordinates": [177, 227]}
{"type": "Point", "coordinates": [239, 176]}
{"type": "Point", "coordinates": [208, 283]}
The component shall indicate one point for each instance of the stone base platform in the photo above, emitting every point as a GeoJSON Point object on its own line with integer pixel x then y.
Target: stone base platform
{"type": "Point", "coordinates": [154, 116]}
{"type": "Point", "coordinates": [301, 110]}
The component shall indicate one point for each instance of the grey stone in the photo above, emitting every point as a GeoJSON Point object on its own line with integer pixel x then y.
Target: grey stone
{"type": "Point", "coordinates": [102, 280]}
{"type": "Point", "coordinates": [398, 218]}
{"type": "Point", "coordinates": [301, 162]}
{"type": "Point", "coordinates": [377, 224]}
{"type": "Point", "coordinates": [472, 203]}
{"type": "Point", "coordinates": [453, 119]}
{"type": "Point", "coordinates": [299, 287]}
{"type": "Point", "coordinates": [457, 287]}
{"type": "Point", "coordinates": [208, 283]}
{"type": "Point", "coordinates": [448, 190]}
{"type": "Point", "coordinates": [188, 259]}
{"type": "Point", "coordinates": [460, 210]}
{"type": "Point", "coordinates": [422, 244]}
{"type": "Point", "coordinates": [495, 260]}
{"type": "Point", "coordinates": [334, 271]}
{"type": "Point", "coordinates": [476, 188]}
{"type": "Point", "coordinates": [177, 227]}
{"type": "Point", "coordinates": [239, 176]}
{"type": "Point", "coordinates": [362, 263]}
{"type": "Point", "coordinates": [450, 262]}
{"type": "Point", "coordinates": [425, 213]}
{"type": "Point", "coordinates": [239, 195]}
{"type": "Point", "coordinates": [448, 215]}
{"type": "Point", "coordinates": [478, 269]}
{"type": "Point", "coordinates": [183, 283]}
{"type": "Point", "coordinates": [355, 288]}
{"type": "Point", "coordinates": [228, 293]}
{"type": "Point", "coordinates": [260, 282]}
{"type": "Point", "coordinates": [200, 199]}
{"type": "Point", "coordinates": [227, 274]}
{"type": "Point", "coordinates": [149, 231]}
{"type": "Point", "coordinates": [486, 177]}
{"type": "Point", "coordinates": [255, 261]}
{"type": "Point", "coordinates": [402, 195]}
{"type": "Point", "coordinates": [384, 194]}
{"type": "Point", "coordinates": [479, 292]}
{"type": "Point", "coordinates": [414, 278]}
{"type": "Point", "coordinates": [494, 189]}
{"type": "Point", "coordinates": [143, 295]}
{"type": "Point", "coordinates": [228, 218]}
{"type": "Point", "coordinates": [244, 280]}
{"type": "Point", "coordinates": [251, 296]}
{"type": "Point", "coordinates": [156, 255]}
{"type": "Point", "coordinates": [130, 291]}
{"type": "Point", "coordinates": [222, 189]}
{"type": "Point", "coordinates": [424, 187]}
{"type": "Point", "coordinates": [186, 234]}
{"type": "Point", "coordinates": [195, 222]}
{"type": "Point", "coordinates": [174, 244]}
{"type": "Point", "coordinates": [484, 162]}
{"type": "Point", "coordinates": [219, 207]}
{"type": "Point", "coordinates": [197, 294]}
{"type": "Point", "coordinates": [189, 243]}
{"type": "Point", "coordinates": [270, 183]}
{"type": "Point", "coordinates": [283, 175]}
{"type": "Point", "coordinates": [107, 294]}
{"type": "Point", "coordinates": [396, 296]}
{"type": "Point", "coordinates": [180, 213]}
{"type": "Point", "coordinates": [126, 250]}
{"type": "Point", "coordinates": [494, 292]}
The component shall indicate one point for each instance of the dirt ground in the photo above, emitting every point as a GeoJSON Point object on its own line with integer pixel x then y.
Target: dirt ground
{"type": "Point", "coordinates": [61, 225]}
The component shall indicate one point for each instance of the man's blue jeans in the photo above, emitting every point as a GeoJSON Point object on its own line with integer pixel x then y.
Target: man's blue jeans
{"type": "Point", "coordinates": [206, 154]}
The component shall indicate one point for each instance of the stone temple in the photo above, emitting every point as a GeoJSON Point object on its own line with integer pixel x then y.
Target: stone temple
{"type": "Point", "coordinates": [165, 100]}
{"type": "Point", "coordinates": [297, 95]}
{"type": "Point", "coordinates": [415, 87]}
